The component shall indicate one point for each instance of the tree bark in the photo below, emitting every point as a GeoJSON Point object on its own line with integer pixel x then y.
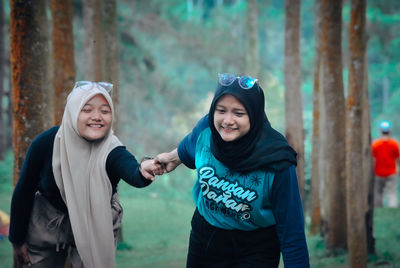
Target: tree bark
{"type": "Point", "coordinates": [9, 112]}
{"type": "Point", "coordinates": [355, 186]}
{"type": "Point", "coordinates": [63, 55]}
{"type": "Point", "coordinates": [111, 58]}
{"type": "Point", "coordinates": [93, 53]}
{"type": "Point", "coordinates": [335, 127]}
{"type": "Point", "coordinates": [293, 97]}
{"type": "Point", "coordinates": [252, 64]}
{"type": "Point", "coordinates": [2, 112]}
{"type": "Point", "coordinates": [29, 54]}
{"type": "Point", "coordinates": [316, 159]}
{"type": "Point", "coordinates": [368, 167]}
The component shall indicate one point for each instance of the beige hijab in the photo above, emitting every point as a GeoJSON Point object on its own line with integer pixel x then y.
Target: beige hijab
{"type": "Point", "coordinates": [79, 170]}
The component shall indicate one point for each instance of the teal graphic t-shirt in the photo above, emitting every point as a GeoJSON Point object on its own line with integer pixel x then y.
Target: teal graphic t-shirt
{"type": "Point", "coordinates": [227, 199]}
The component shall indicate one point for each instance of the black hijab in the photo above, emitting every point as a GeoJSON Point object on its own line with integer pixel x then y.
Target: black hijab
{"type": "Point", "coordinates": [262, 147]}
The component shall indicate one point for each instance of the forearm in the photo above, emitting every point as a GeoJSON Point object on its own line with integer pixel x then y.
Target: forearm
{"type": "Point", "coordinates": [174, 157]}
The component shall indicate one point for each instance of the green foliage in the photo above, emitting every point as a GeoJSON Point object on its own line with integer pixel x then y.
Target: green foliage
{"type": "Point", "coordinates": [6, 174]}
{"type": "Point", "coordinates": [6, 168]}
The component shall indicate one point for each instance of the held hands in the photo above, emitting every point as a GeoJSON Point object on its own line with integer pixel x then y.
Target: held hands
{"type": "Point", "coordinates": [163, 163]}
{"type": "Point", "coordinates": [149, 169]}
{"type": "Point", "coordinates": [169, 161]}
{"type": "Point", "coordinates": [21, 256]}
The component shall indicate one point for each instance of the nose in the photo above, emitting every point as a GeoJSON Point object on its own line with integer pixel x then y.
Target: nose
{"type": "Point", "coordinates": [96, 116]}
{"type": "Point", "coordinates": [228, 119]}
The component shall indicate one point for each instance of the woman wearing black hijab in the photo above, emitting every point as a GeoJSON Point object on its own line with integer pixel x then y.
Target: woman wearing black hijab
{"type": "Point", "coordinates": [248, 205]}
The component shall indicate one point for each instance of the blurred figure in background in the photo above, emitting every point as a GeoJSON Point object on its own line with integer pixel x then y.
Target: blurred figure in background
{"type": "Point", "coordinates": [385, 151]}
{"type": "Point", "coordinates": [4, 224]}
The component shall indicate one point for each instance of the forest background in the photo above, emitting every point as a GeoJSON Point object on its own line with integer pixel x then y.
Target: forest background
{"type": "Point", "coordinates": [170, 53]}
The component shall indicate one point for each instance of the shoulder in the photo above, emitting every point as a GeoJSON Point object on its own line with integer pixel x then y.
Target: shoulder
{"type": "Point", "coordinates": [45, 138]}
{"type": "Point", "coordinates": [394, 142]}
{"type": "Point", "coordinates": [376, 141]}
{"type": "Point", "coordinates": [117, 153]}
{"type": "Point", "coordinates": [285, 178]}
{"type": "Point", "coordinates": [287, 173]}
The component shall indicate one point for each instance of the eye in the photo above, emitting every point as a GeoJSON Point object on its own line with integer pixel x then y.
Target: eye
{"type": "Point", "coordinates": [220, 111]}
{"type": "Point", "coordinates": [86, 110]}
{"type": "Point", "coordinates": [240, 114]}
{"type": "Point", "coordinates": [105, 111]}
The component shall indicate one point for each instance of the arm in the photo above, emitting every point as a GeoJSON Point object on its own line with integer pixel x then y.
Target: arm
{"type": "Point", "coordinates": [23, 195]}
{"type": "Point", "coordinates": [121, 164]}
{"type": "Point", "coordinates": [169, 161]}
{"type": "Point", "coordinates": [288, 212]}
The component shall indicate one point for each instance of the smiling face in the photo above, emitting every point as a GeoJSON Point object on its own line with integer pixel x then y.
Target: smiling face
{"type": "Point", "coordinates": [94, 120]}
{"type": "Point", "coordinates": [231, 119]}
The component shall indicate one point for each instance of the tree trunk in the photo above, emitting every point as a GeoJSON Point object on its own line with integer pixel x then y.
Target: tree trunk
{"type": "Point", "coordinates": [293, 98]}
{"type": "Point", "coordinates": [111, 58]}
{"type": "Point", "coordinates": [63, 55]}
{"type": "Point", "coordinates": [252, 65]}
{"type": "Point", "coordinates": [335, 127]}
{"type": "Point", "coordinates": [29, 54]}
{"type": "Point", "coordinates": [322, 152]}
{"type": "Point", "coordinates": [9, 112]}
{"type": "Point", "coordinates": [42, 7]}
{"type": "Point", "coordinates": [2, 112]}
{"type": "Point", "coordinates": [368, 167]}
{"type": "Point", "coordinates": [315, 204]}
{"type": "Point", "coordinates": [93, 53]}
{"type": "Point", "coordinates": [355, 187]}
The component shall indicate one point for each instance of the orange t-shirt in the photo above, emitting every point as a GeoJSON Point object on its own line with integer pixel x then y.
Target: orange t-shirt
{"type": "Point", "coordinates": [385, 152]}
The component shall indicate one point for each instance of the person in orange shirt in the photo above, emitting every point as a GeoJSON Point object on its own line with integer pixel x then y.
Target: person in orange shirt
{"type": "Point", "coordinates": [385, 151]}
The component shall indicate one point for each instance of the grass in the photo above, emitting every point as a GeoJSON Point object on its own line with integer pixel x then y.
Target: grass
{"type": "Point", "coordinates": [156, 225]}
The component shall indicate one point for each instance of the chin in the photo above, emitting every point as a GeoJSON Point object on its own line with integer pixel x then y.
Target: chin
{"type": "Point", "coordinates": [93, 138]}
{"type": "Point", "coordinates": [228, 138]}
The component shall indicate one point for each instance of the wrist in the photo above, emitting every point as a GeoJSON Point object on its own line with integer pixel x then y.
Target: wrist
{"type": "Point", "coordinates": [146, 158]}
{"type": "Point", "coordinates": [174, 156]}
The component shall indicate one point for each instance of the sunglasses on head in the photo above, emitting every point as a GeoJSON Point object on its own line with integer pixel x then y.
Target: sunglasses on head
{"type": "Point", "coordinates": [245, 82]}
{"type": "Point", "coordinates": [88, 85]}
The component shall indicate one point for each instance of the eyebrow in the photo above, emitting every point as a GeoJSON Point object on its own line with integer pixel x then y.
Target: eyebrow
{"type": "Point", "coordinates": [234, 109]}
{"type": "Point", "coordinates": [103, 105]}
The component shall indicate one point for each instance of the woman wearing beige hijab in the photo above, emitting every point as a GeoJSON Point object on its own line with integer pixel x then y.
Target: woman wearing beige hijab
{"type": "Point", "coordinates": [66, 194]}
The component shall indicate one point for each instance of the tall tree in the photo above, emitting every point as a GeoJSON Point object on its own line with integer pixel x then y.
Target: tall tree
{"type": "Point", "coordinates": [293, 98]}
{"type": "Point", "coordinates": [252, 63]}
{"type": "Point", "coordinates": [316, 159]}
{"type": "Point", "coordinates": [93, 53]}
{"type": "Point", "coordinates": [9, 112]}
{"type": "Point", "coordinates": [331, 52]}
{"type": "Point", "coordinates": [2, 60]}
{"type": "Point", "coordinates": [63, 55]}
{"type": "Point", "coordinates": [111, 58]}
{"type": "Point", "coordinates": [368, 167]}
{"type": "Point", "coordinates": [355, 183]}
{"type": "Point", "coordinates": [29, 54]}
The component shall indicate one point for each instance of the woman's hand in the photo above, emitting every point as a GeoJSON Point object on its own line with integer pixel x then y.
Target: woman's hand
{"type": "Point", "coordinates": [21, 256]}
{"type": "Point", "coordinates": [149, 169]}
{"type": "Point", "coordinates": [168, 161]}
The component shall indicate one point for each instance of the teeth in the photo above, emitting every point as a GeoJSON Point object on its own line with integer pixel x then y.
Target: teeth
{"type": "Point", "coordinates": [92, 125]}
